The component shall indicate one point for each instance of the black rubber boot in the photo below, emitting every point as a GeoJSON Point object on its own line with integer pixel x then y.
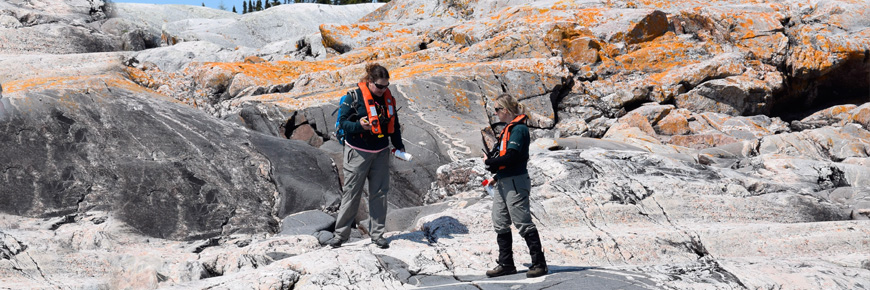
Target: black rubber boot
{"type": "Point", "coordinates": [539, 264]}
{"type": "Point", "coordinates": [505, 257]}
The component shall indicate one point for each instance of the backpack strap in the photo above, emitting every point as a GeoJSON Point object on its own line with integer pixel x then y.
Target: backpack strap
{"type": "Point", "coordinates": [354, 96]}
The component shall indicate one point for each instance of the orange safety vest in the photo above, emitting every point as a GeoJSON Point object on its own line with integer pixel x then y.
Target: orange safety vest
{"type": "Point", "coordinates": [371, 108]}
{"type": "Point", "coordinates": [506, 136]}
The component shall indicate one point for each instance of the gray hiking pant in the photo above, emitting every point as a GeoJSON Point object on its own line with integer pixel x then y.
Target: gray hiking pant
{"type": "Point", "coordinates": [359, 166]}
{"type": "Point", "coordinates": [511, 203]}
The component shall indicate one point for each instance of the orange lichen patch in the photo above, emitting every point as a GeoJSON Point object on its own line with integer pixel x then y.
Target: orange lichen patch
{"type": "Point", "coordinates": [698, 4]}
{"type": "Point", "coordinates": [429, 69]}
{"type": "Point", "coordinates": [141, 77]}
{"type": "Point", "coordinates": [254, 59]}
{"type": "Point", "coordinates": [766, 47]}
{"type": "Point", "coordinates": [589, 17]}
{"type": "Point", "coordinates": [510, 45]}
{"type": "Point", "coordinates": [343, 35]}
{"type": "Point", "coordinates": [663, 53]}
{"type": "Point", "coordinates": [702, 141]}
{"type": "Point", "coordinates": [577, 45]}
{"type": "Point", "coordinates": [71, 84]}
{"type": "Point", "coordinates": [812, 56]}
{"type": "Point", "coordinates": [861, 116]}
{"type": "Point", "coordinates": [396, 47]}
{"type": "Point", "coordinates": [639, 121]}
{"type": "Point", "coordinates": [673, 124]}
{"type": "Point", "coordinates": [836, 112]}
{"type": "Point", "coordinates": [295, 101]}
{"type": "Point", "coordinates": [272, 72]}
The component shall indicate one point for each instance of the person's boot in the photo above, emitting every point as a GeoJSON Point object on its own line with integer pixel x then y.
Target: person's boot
{"type": "Point", "coordinates": [539, 264]}
{"type": "Point", "coordinates": [505, 257]}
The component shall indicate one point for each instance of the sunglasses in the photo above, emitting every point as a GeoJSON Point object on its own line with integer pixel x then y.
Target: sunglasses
{"type": "Point", "coordinates": [498, 109]}
{"type": "Point", "coordinates": [381, 86]}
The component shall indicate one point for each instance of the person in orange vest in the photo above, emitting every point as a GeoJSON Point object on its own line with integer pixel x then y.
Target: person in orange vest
{"type": "Point", "coordinates": [371, 125]}
{"type": "Point", "coordinates": [511, 201]}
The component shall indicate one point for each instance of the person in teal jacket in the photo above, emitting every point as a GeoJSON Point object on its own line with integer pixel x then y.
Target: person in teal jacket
{"type": "Point", "coordinates": [370, 124]}
{"type": "Point", "coordinates": [511, 202]}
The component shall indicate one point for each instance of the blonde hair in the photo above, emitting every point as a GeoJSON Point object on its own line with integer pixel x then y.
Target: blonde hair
{"type": "Point", "coordinates": [510, 104]}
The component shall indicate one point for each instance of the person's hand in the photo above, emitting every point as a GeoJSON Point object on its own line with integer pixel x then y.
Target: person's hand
{"type": "Point", "coordinates": [365, 123]}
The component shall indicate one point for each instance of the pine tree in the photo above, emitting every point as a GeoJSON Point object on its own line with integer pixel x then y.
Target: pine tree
{"type": "Point", "coordinates": [244, 7]}
{"type": "Point", "coordinates": [268, 4]}
{"type": "Point", "coordinates": [203, 4]}
{"type": "Point", "coordinates": [234, 9]}
{"type": "Point", "coordinates": [259, 5]}
{"type": "Point", "coordinates": [275, 3]}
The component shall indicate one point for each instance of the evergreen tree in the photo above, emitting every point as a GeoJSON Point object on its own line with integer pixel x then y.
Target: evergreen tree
{"type": "Point", "coordinates": [259, 5]}
{"type": "Point", "coordinates": [244, 7]}
{"type": "Point", "coordinates": [268, 4]}
{"type": "Point", "coordinates": [234, 9]}
{"type": "Point", "coordinates": [203, 4]}
{"type": "Point", "coordinates": [251, 6]}
{"type": "Point", "coordinates": [275, 3]}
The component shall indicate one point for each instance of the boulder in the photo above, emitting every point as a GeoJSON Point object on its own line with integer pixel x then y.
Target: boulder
{"type": "Point", "coordinates": [124, 149]}
{"type": "Point", "coordinates": [306, 223]}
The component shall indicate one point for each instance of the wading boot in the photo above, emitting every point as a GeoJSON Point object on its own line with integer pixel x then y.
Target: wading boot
{"type": "Point", "coordinates": [539, 264]}
{"type": "Point", "coordinates": [505, 257]}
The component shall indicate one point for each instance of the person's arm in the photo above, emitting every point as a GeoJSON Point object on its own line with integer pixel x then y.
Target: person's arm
{"type": "Point", "coordinates": [349, 119]}
{"type": "Point", "coordinates": [396, 137]}
{"type": "Point", "coordinates": [510, 157]}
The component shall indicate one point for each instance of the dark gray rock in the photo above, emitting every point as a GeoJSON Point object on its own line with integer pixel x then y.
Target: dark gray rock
{"type": "Point", "coordinates": [405, 219]}
{"type": "Point", "coordinates": [9, 246]}
{"type": "Point", "coordinates": [560, 277]}
{"type": "Point", "coordinates": [167, 170]}
{"type": "Point", "coordinates": [262, 118]}
{"type": "Point", "coordinates": [306, 223]}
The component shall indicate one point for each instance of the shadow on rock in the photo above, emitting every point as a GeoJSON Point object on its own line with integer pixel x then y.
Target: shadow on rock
{"type": "Point", "coordinates": [442, 227]}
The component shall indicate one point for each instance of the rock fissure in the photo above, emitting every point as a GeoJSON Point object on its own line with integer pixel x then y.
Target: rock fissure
{"type": "Point", "coordinates": [39, 269]}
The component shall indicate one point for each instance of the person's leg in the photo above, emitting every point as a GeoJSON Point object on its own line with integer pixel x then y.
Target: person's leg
{"type": "Point", "coordinates": [517, 189]}
{"type": "Point", "coordinates": [520, 212]}
{"type": "Point", "coordinates": [356, 168]}
{"type": "Point", "coordinates": [539, 263]}
{"type": "Point", "coordinates": [379, 186]}
{"type": "Point", "coordinates": [501, 222]}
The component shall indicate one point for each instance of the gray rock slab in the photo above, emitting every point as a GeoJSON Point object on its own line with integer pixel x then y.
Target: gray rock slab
{"type": "Point", "coordinates": [405, 219]}
{"type": "Point", "coordinates": [306, 223]}
{"type": "Point", "coordinates": [166, 170]}
{"type": "Point", "coordinates": [560, 277]}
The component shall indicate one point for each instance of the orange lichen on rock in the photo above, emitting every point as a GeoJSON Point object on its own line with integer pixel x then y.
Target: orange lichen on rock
{"type": "Point", "coordinates": [674, 123]}
{"type": "Point", "coordinates": [578, 45]}
{"type": "Point", "coordinates": [271, 72]}
{"type": "Point", "coordinates": [141, 77]}
{"type": "Point", "coordinates": [589, 17]}
{"type": "Point", "coordinates": [702, 141]}
{"type": "Point", "coordinates": [663, 53]}
{"type": "Point", "coordinates": [254, 59]}
{"type": "Point", "coordinates": [71, 83]}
